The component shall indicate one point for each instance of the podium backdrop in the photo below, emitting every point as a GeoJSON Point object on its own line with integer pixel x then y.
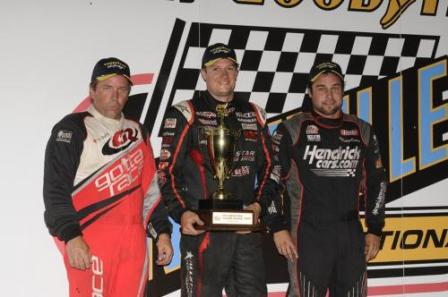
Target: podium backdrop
{"type": "Point", "coordinates": [394, 54]}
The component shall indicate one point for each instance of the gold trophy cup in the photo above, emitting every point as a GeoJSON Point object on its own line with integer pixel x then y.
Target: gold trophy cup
{"type": "Point", "coordinates": [222, 211]}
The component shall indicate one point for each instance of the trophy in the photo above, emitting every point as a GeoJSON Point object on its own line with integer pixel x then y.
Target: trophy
{"type": "Point", "coordinates": [222, 211]}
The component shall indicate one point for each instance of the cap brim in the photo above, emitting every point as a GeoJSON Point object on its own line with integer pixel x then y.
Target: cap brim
{"type": "Point", "coordinates": [107, 76]}
{"type": "Point", "coordinates": [326, 71]}
{"type": "Point", "coordinates": [211, 62]}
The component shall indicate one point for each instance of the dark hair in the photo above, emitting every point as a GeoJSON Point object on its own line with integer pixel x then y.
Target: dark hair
{"type": "Point", "coordinates": [94, 83]}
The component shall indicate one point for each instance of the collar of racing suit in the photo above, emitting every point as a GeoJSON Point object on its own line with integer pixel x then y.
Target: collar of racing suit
{"type": "Point", "coordinates": [211, 102]}
{"type": "Point", "coordinates": [108, 123]}
{"type": "Point", "coordinates": [326, 122]}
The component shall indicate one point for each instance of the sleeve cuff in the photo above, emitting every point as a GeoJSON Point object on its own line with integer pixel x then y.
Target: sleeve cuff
{"type": "Point", "coordinates": [375, 230]}
{"type": "Point", "coordinates": [276, 225]}
{"type": "Point", "coordinates": [69, 233]}
{"type": "Point", "coordinates": [177, 214]}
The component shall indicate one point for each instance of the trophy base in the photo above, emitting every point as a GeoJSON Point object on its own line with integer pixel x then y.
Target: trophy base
{"type": "Point", "coordinates": [228, 220]}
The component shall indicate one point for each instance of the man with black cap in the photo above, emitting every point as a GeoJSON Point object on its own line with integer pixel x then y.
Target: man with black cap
{"type": "Point", "coordinates": [210, 259]}
{"type": "Point", "coordinates": [101, 193]}
{"type": "Point", "coordinates": [327, 158]}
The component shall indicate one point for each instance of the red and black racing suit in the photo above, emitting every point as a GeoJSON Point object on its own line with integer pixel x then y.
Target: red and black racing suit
{"type": "Point", "coordinates": [210, 259]}
{"type": "Point", "coordinates": [325, 164]}
{"type": "Point", "coordinates": [100, 182]}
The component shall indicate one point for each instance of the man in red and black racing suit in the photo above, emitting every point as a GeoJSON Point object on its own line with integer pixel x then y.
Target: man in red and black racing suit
{"type": "Point", "coordinates": [209, 260]}
{"type": "Point", "coordinates": [101, 192]}
{"type": "Point", "coordinates": [327, 158]}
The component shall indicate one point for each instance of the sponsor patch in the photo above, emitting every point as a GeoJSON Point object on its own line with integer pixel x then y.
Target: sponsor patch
{"type": "Point", "coordinates": [102, 137]}
{"type": "Point", "coordinates": [161, 178]}
{"type": "Point", "coordinates": [98, 270]}
{"type": "Point", "coordinates": [277, 137]}
{"type": "Point", "coordinates": [272, 209]}
{"type": "Point", "coordinates": [378, 163]}
{"type": "Point", "coordinates": [166, 133]}
{"type": "Point", "coordinates": [164, 154]}
{"type": "Point", "coordinates": [245, 120]}
{"type": "Point", "coordinates": [353, 132]}
{"type": "Point", "coordinates": [248, 156]}
{"type": "Point", "coordinates": [208, 122]}
{"type": "Point", "coordinates": [189, 272]}
{"type": "Point", "coordinates": [120, 141]}
{"type": "Point", "coordinates": [313, 137]}
{"type": "Point", "coordinates": [312, 129]}
{"type": "Point", "coordinates": [246, 115]}
{"type": "Point", "coordinates": [170, 123]}
{"type": "Point", "coordinates": [123, 137]}
{"type": "Point", "coordinates": [163, 165]}
{"type": "Point", "coordinates": [341, 161]}
{"type": "Point", "coordinates": [246, 126]}
{"type": "Point", "coordinates": [230, 110]}
{"type": "Point", "coordinates": [241, 171]}
{"type": "Point", "coordinates": [122, 175]}
{"type": "Point", "coordinates": [250, 135]}
{"type": "Point", "coordinates": [349, 140]}
{"type": "Point", "coordinates": [167, 140]}
{"type": "Point", "coordinates": [64, 136]}
{"type": "Point", "coordinates": [152, 230]}
{"type": "Point", "coordinates": [276, 173]}
{"type": "Point", "coordinates": [206, 114]}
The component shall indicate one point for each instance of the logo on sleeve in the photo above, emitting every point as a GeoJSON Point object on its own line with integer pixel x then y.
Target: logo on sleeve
{"type": "Point", "coordinates": [64, 136]}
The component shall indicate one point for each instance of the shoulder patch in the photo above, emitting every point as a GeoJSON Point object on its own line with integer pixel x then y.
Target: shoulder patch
{"type": "Point", "coordinates": [186, 109]}
{"type": "Point", "coordinates": [64, 136]}
{"type": "Point", "coordinates": [261, 113]}
{"type": "Point", "coordinates": [69, 127]}
{"type": "Point", "coordinates": [294, 124]}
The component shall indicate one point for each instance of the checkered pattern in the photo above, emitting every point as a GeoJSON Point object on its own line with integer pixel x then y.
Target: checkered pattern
{"type": "Point", "coordinates": [275, 62]}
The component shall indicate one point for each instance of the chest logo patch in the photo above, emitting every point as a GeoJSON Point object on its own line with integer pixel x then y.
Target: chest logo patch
{"type": "Point", "coordinates": [121, 140]}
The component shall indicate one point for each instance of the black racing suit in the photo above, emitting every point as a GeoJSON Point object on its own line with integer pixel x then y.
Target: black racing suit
{"type": "Point", "coordinates": [325, 164]}
{"type": "Point", "coordinates": [210, 259]}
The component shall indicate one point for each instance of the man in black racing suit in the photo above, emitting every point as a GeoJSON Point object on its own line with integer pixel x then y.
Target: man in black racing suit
{"type": "Point", "coordinates": [210, 259]}
{"type": "Point", "coordinates": [327, 158]}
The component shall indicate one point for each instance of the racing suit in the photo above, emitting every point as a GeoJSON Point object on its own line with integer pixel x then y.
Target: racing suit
{"type": "Point", "coordinates": [209, 260]}
{"type": "Point", "coordinates": [325, 164]}
{"type": "Point", "coordinates": [100, 182]}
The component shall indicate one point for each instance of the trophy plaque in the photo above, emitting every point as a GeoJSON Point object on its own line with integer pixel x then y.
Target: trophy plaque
{"type": "Point", "coordinates": [221, 211]}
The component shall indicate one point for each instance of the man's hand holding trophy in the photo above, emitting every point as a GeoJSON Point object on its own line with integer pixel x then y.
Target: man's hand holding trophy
{"type": "Point", "coordinates": [221, 211]}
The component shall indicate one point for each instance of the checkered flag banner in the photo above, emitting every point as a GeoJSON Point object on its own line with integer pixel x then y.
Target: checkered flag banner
{"type": "Point", "coordinates": [275, 62]}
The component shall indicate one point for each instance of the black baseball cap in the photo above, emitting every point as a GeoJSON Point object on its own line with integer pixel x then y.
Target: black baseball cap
{"type": "Point", "coordinates": [216, 52]}
{"type": "Point", "coordinates": [108, 67]}
{"type": "Point", "coordinates": [325, 67]}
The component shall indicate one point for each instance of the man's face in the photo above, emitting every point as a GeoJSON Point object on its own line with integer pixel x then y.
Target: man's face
{"type": "Point", "coordinates": [326, 95]}
{"type": "Point", "coordinates": [220, 78]}
{"type": "Point", "coordinates": [110, 96]}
